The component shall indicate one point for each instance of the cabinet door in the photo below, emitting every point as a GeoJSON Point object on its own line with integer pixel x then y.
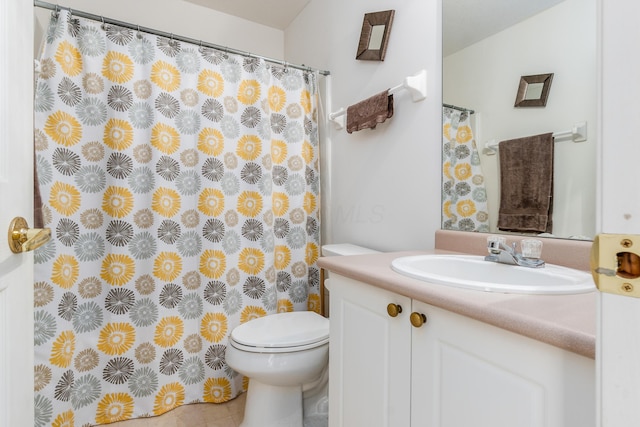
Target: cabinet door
{"type": "Point", "coordinates": [369, 357]}
{"type": "Point", "coordinates": [468, 373]}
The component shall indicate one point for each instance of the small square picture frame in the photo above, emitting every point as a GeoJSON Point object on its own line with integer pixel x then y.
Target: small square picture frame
{"type": "Point", "coordinates": [533, 90]}
{"type": "Point", "coordinates": [374, 35]}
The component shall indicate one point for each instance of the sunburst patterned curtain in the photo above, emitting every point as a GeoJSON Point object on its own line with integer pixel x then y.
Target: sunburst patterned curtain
{"type": "Point", "coordinates": [464, 197]}
{"type": "Point", "coordinates": [181, 185]}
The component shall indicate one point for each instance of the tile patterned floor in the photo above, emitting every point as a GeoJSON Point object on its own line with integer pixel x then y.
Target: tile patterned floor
{"type": "Point", "coordinates": [227, 414]}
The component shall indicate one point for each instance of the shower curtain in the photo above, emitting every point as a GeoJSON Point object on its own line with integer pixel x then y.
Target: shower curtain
{"type": "Point", "coordinates": [464, 198]}
{"type": "Point", "coordinates": [181, 185]}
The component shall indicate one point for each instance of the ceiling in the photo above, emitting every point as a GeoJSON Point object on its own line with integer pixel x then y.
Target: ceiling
{"type": "Point", "coordinates": [464, 21]}
{"type": "Point", "coordinates": [272, 13]}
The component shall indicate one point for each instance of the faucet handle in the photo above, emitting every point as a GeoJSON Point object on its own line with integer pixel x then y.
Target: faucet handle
{"type": "Point", "coordinates": [531, 248]}
{"type": "Point", "coordinates": [494, 243]}
{"type": "Point", "coordinates": [496, 240]}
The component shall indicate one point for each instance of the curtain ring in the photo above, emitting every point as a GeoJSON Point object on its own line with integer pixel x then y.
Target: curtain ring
{"type": "Point", "coordinates": [138, 34]}
{"type": "Point", "coordinates": [200, 48]}
{"type": "Point", "coordinates": [103, 26]}
{"type": "Point", "coordinates": [56, 12]}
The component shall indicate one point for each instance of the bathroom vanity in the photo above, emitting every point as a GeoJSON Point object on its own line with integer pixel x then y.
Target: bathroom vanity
{"type": "Point", "coordinates": [404, 352]}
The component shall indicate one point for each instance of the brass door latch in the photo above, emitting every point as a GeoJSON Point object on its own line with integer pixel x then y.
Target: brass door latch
{"type": "Point", "coordinates": [615, 264]}
{"type": "Point", "coordinates": [24, 239]}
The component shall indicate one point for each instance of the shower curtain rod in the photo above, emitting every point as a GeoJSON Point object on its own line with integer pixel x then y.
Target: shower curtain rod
{"type": "Point", "coordinates": [455, 107]}
{"type": "Point", "coordinates": [55, 7]}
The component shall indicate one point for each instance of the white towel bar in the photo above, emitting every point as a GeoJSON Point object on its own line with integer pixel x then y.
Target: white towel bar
{"type": "Point", "coordinates": [416, 85]}
{"type": "Point", "coordinates": [578, 133]}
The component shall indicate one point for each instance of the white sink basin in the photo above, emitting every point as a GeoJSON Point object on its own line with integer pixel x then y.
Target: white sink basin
{"type": "Point", "coordinates": [473, 272]}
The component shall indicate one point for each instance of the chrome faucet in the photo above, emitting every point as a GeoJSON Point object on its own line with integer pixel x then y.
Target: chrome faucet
{"type": "Point", "coordinates": [500, 252]}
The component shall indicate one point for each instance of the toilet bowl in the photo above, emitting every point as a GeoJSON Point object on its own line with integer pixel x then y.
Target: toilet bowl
{"type": "Point", "coordinates": [285, 356]}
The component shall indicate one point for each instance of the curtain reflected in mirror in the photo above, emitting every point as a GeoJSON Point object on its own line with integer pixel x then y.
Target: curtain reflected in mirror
{"type": "Point", "coordinates": [464, 198]}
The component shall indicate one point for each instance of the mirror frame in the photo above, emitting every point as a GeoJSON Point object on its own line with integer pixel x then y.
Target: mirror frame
{"type": "Point", "coordinates": [525, 81]}
{"type": "Point", "coordinates": [371, 20]}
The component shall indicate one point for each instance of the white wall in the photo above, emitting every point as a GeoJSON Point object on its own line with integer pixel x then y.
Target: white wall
{"type": "Point", "coordinates": [485, 77]}
{"type": "Point", "coordinates": [384, 183]}
{"type": "Point", "coordinates": [178, 17]}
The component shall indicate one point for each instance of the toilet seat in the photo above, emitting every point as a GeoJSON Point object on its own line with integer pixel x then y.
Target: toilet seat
{"type": "Point", "coordinates": [282, 332]}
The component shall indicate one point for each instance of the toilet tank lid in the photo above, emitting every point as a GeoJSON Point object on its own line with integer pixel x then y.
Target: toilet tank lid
{"type": "Point", "coordinates": [290, 329]}
{"type": "Point", "coordinates": [346, 249]}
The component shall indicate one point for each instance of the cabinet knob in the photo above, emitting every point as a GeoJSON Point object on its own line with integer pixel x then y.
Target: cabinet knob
{"type": "Point", "coordinates": [394, 309]}
{"type": "Point", "coordinates": [417, 319]}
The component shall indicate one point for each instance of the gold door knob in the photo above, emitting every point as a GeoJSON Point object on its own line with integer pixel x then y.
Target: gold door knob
{"type": "Point", "coordinates": [24, 239]}
{"type": "Point", "coordinates": [417, 319]}
{"type": "Point", "coordinates": [394, 309]}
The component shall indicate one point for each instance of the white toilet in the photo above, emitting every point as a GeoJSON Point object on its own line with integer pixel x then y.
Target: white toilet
{"type": "Point", "coordinates": [285, 356]}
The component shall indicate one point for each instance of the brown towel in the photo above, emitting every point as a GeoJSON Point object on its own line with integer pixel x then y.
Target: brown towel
{"type": "Point", "coordinates": [526, 184]}
{"type": "Point", "coordinates": [368, 113]}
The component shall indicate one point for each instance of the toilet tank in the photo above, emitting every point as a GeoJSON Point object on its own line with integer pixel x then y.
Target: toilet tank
{"type": "Point", "coordinates": [346, 249]}
{"type": "Point", "coordinates": [339, 249]}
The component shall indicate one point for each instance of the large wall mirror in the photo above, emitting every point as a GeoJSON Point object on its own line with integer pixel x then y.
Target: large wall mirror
{"type": "Point", "coordinates": [487, 47]}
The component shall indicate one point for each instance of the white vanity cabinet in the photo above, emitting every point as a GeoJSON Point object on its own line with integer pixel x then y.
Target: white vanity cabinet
{"type": "Point", "coordinates": [369, 357]}
{"type": "Point", "coordinates": [453, 371]}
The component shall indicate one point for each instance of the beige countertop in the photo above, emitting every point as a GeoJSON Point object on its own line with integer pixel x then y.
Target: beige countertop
{"type": "Point", "coordinates": [564, 321]}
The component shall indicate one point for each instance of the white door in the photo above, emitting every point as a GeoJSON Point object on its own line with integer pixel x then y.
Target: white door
{"type": "Point", "coordinates": [618, 353]}
{"type": "Point", "coordinates": [16, 194]}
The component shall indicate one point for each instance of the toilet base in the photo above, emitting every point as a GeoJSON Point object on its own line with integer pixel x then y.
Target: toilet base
{"type": "Point", "coordinates": [272, 406]}
{"type": "Point", "coordinates": [315, 401]}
